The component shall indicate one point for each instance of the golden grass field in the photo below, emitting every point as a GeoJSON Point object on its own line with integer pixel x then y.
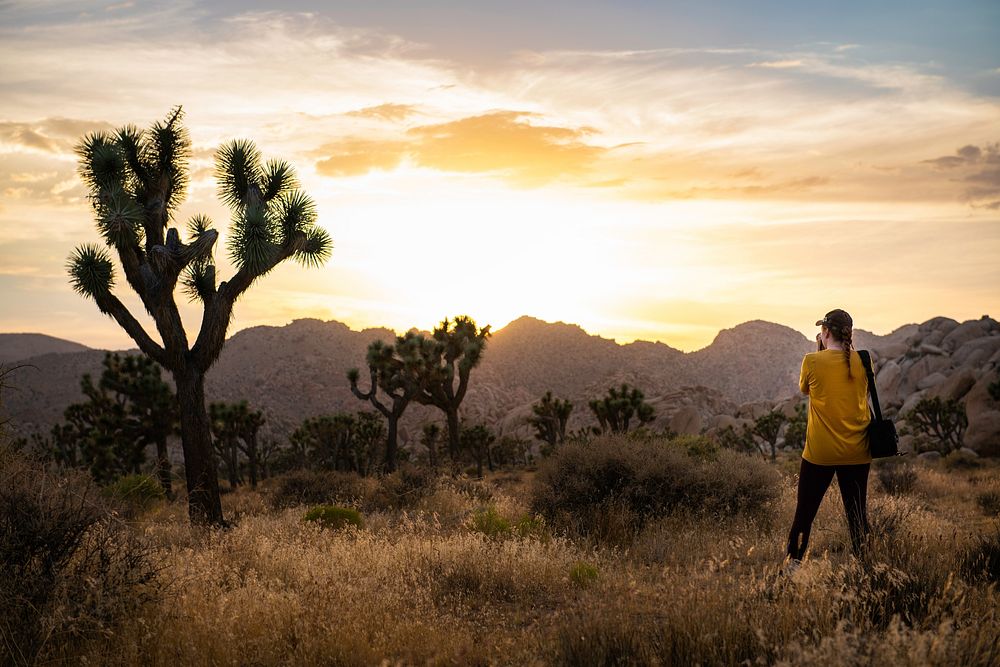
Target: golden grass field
{"type": "Point", "coordinates": [449, 582]}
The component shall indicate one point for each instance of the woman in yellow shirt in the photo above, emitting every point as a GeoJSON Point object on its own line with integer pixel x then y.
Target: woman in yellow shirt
{"type": "Point", "coordinates": [836, 441]}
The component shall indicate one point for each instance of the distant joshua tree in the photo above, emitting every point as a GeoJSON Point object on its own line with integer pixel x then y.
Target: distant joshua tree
{"type": "Point", "coordinates": [549, 419]}
{"type": "Point", "coordinates": [151, 407]}
{"type": "Point", "coordinates": [235, 427]}
{"type": "Point", "coordinates": [395, 374]}
{"type": "Point", "coordinates": [616, 409]}
{"type": "Point", "coordinates": [766, 428]}
{"type": "Point", "coordinates": [477, 441]}
{"type": "Point", "coordinates": [940, 422]}
{"type": "Point", "coordinates": [443, 364]}
{"type": "Point", "coordinates": [137, 180]}
{"type": "Point", "coordinates": [129, 408]}
{"type": "Point", "coordinates": [429, 435]}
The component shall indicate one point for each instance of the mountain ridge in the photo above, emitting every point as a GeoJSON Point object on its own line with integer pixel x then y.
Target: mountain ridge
{"type": "Point", "coordinates": [299, 370]}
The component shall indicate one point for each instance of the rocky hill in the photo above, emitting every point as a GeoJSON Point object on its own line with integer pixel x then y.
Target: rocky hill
{"type": "Point", "coordinates": [298, 371]}
{"type": "Point", "coordinates": [15, 347]}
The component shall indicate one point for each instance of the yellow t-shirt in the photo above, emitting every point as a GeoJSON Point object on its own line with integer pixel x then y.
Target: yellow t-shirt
{"type": "Point", "coordinates": [838, 409]}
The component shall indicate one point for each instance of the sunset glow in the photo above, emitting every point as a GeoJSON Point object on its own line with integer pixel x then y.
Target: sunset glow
{"type": "Point", "coordinates": [643, 183]}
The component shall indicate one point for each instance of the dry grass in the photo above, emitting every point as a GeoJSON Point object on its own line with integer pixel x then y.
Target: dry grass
{"type": "Point", "coordinates": [422, 586]}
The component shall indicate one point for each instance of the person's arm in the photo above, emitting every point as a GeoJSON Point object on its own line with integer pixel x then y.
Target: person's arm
{"type": "Point", "coordinates": [804, 376]}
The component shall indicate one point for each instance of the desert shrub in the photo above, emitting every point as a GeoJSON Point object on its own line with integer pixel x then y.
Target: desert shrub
{"type": "Point", "coordinates": [959, 460]}
{"type": "Point", "coordinates": [896, 478]}
{"type": "Point", "coordinates": [311, 487]}
{"type": "Point", "coordinates": [584, 484]}
{"type": "Point", "coordinates": [981, 560]}
{"type": "Point", "coordinates": [489, 522]}
{"type": "Point", "coordinates": [583, 574]}
{"type": "Point", "coordinates": [530, 526]}
{"type": "Point", "coordinates": [989, 502]}
{"type": "Point", "coordinates": [334, 517]}
{"type": "Point", "coordinates": [69, 572]}
{"type": "Point", "coordinates": [402, 489]}
{"type": "Point", "coordinates": [697, 446]}
{"type": "Point", "coordinates": [137, 493]}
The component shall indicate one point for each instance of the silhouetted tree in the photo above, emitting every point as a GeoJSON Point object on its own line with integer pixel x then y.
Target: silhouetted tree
{"type": "Point", "coordinates": [235, 427]}
{"type": "Point", "coordinates": [151, 408]}
{"type": "Point", "coordinates": [429, 438]}
{"type": "Point", "coordinates": [443, 365]}
{"type": "Point", "coordinates": [477, 440]}
{"type": "Point", "coordinates": [129, 408]}
{"type": "Point", "coordinates": [340, 441]}
{"type": "Point", "coordinates": [549, 419]}
{"type": "Point", "coordinates": [325, 441]}
{"type": "Point", "coordinates": [225, 438]}
{"type": "Point", "coordinates": [943, 422]}
{"type": "Point", "coordinates": [795, 434]}
{"type": "Point", "coordinates": [615, 410]}
{"type": "Point", "coordinates": [136, 181]}
{"type": "Point", "coordinates": [766, 428]}
{"type": "Point", "coordinates": [398, 380]}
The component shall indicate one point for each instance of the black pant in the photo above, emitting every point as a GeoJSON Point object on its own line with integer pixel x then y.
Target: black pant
{"type": "Point", "coordinates": [813, 483]}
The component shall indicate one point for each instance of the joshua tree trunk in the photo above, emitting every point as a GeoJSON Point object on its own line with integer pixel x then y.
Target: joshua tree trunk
{"type": "Point", "coordinates": [391, 442]}
{"type": "Point", "coordinates": [204, 504]}
{"type": "Point", "coordinates": [432, 453]}
{"type": "Point", "coordinates": [453, 434]}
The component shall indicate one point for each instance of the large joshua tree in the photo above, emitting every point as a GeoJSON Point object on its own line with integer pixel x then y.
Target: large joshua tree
{"type": "Point", "coordinates": [136, 180]}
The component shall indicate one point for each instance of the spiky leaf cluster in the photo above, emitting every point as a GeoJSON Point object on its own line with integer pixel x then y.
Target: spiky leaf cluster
{"type": "Point", "coordinates": [91, 272]}
{"type": "Point", "coordinates": [272, 219]}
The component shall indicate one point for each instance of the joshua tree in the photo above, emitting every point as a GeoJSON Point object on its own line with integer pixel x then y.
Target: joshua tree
{"type": "Point", "coordinates": [477, 440]}
{"type": "Point", "coordinates": [151, 409]}
{"type": "Point", "coordinates": [235, 427]}
{"type": "Point", "coordinates": [615, 411]}
{"type": "Point", "coordinates": [129, 408]}
{"type": "Point", "coordinates": [395, 376]}
{"type": "Point", "coordinates": [248, 425]}
{"type": "Point", "coordinates": [222, 418]}
{"type": "Point", "coordinates": [943, 422]}
{"type": "Point", "coordinates": [795, 434]}
{"type": "Point", "coordinates": [443, 364]}
{"type": "Point", "coordinates": [766, 428]}
{"type": "Point", "coordinates": [136, 181]}
{"type": "Point", "coordinates": [549, 420]}
{"type": "Point", "coordinates": [326, 441]}
{"type": "Point", "coordinates": [429, 438]}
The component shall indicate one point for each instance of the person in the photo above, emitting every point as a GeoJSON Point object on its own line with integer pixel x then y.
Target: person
{"type": "Point", "coordinates": [836, 441]}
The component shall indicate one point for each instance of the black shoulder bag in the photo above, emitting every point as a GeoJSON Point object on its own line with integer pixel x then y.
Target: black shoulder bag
{"type": "Point", "coordinates": [882, 437]}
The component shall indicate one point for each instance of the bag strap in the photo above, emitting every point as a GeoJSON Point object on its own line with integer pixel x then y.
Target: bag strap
{"type": "Point", "coordinates": [866, 360]}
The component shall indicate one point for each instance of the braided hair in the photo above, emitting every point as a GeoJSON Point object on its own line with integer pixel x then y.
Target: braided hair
{"type": "Point", "coordinates": [844, 336]}
{"type": "Point", "coordinates": [841, 327]}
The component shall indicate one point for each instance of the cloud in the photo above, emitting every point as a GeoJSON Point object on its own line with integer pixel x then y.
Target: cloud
{"type": "Point", "coordinates": [354, 157]}
{"type": "Point", "coordinates": [49, 135]}
{"type": "Point", "coordinates": [513, 145]}
{"type": "Point", "coordinates": [777, 190]}
{"type": "Point", "coordinates": [978, 167]}
{"type": "Point", "coordinates": [387, 112]}
{"type": "Point", "coordinates": [505, 142]}
{"type": "Point", "coordinates": [778, 64]}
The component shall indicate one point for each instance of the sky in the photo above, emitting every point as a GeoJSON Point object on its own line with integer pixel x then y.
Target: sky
{"type": "Point", "coordinates": [647, 170]}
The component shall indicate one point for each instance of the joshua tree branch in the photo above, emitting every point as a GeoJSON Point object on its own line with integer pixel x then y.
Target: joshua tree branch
{"type": "Point", "coordinates": [111, 305]}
